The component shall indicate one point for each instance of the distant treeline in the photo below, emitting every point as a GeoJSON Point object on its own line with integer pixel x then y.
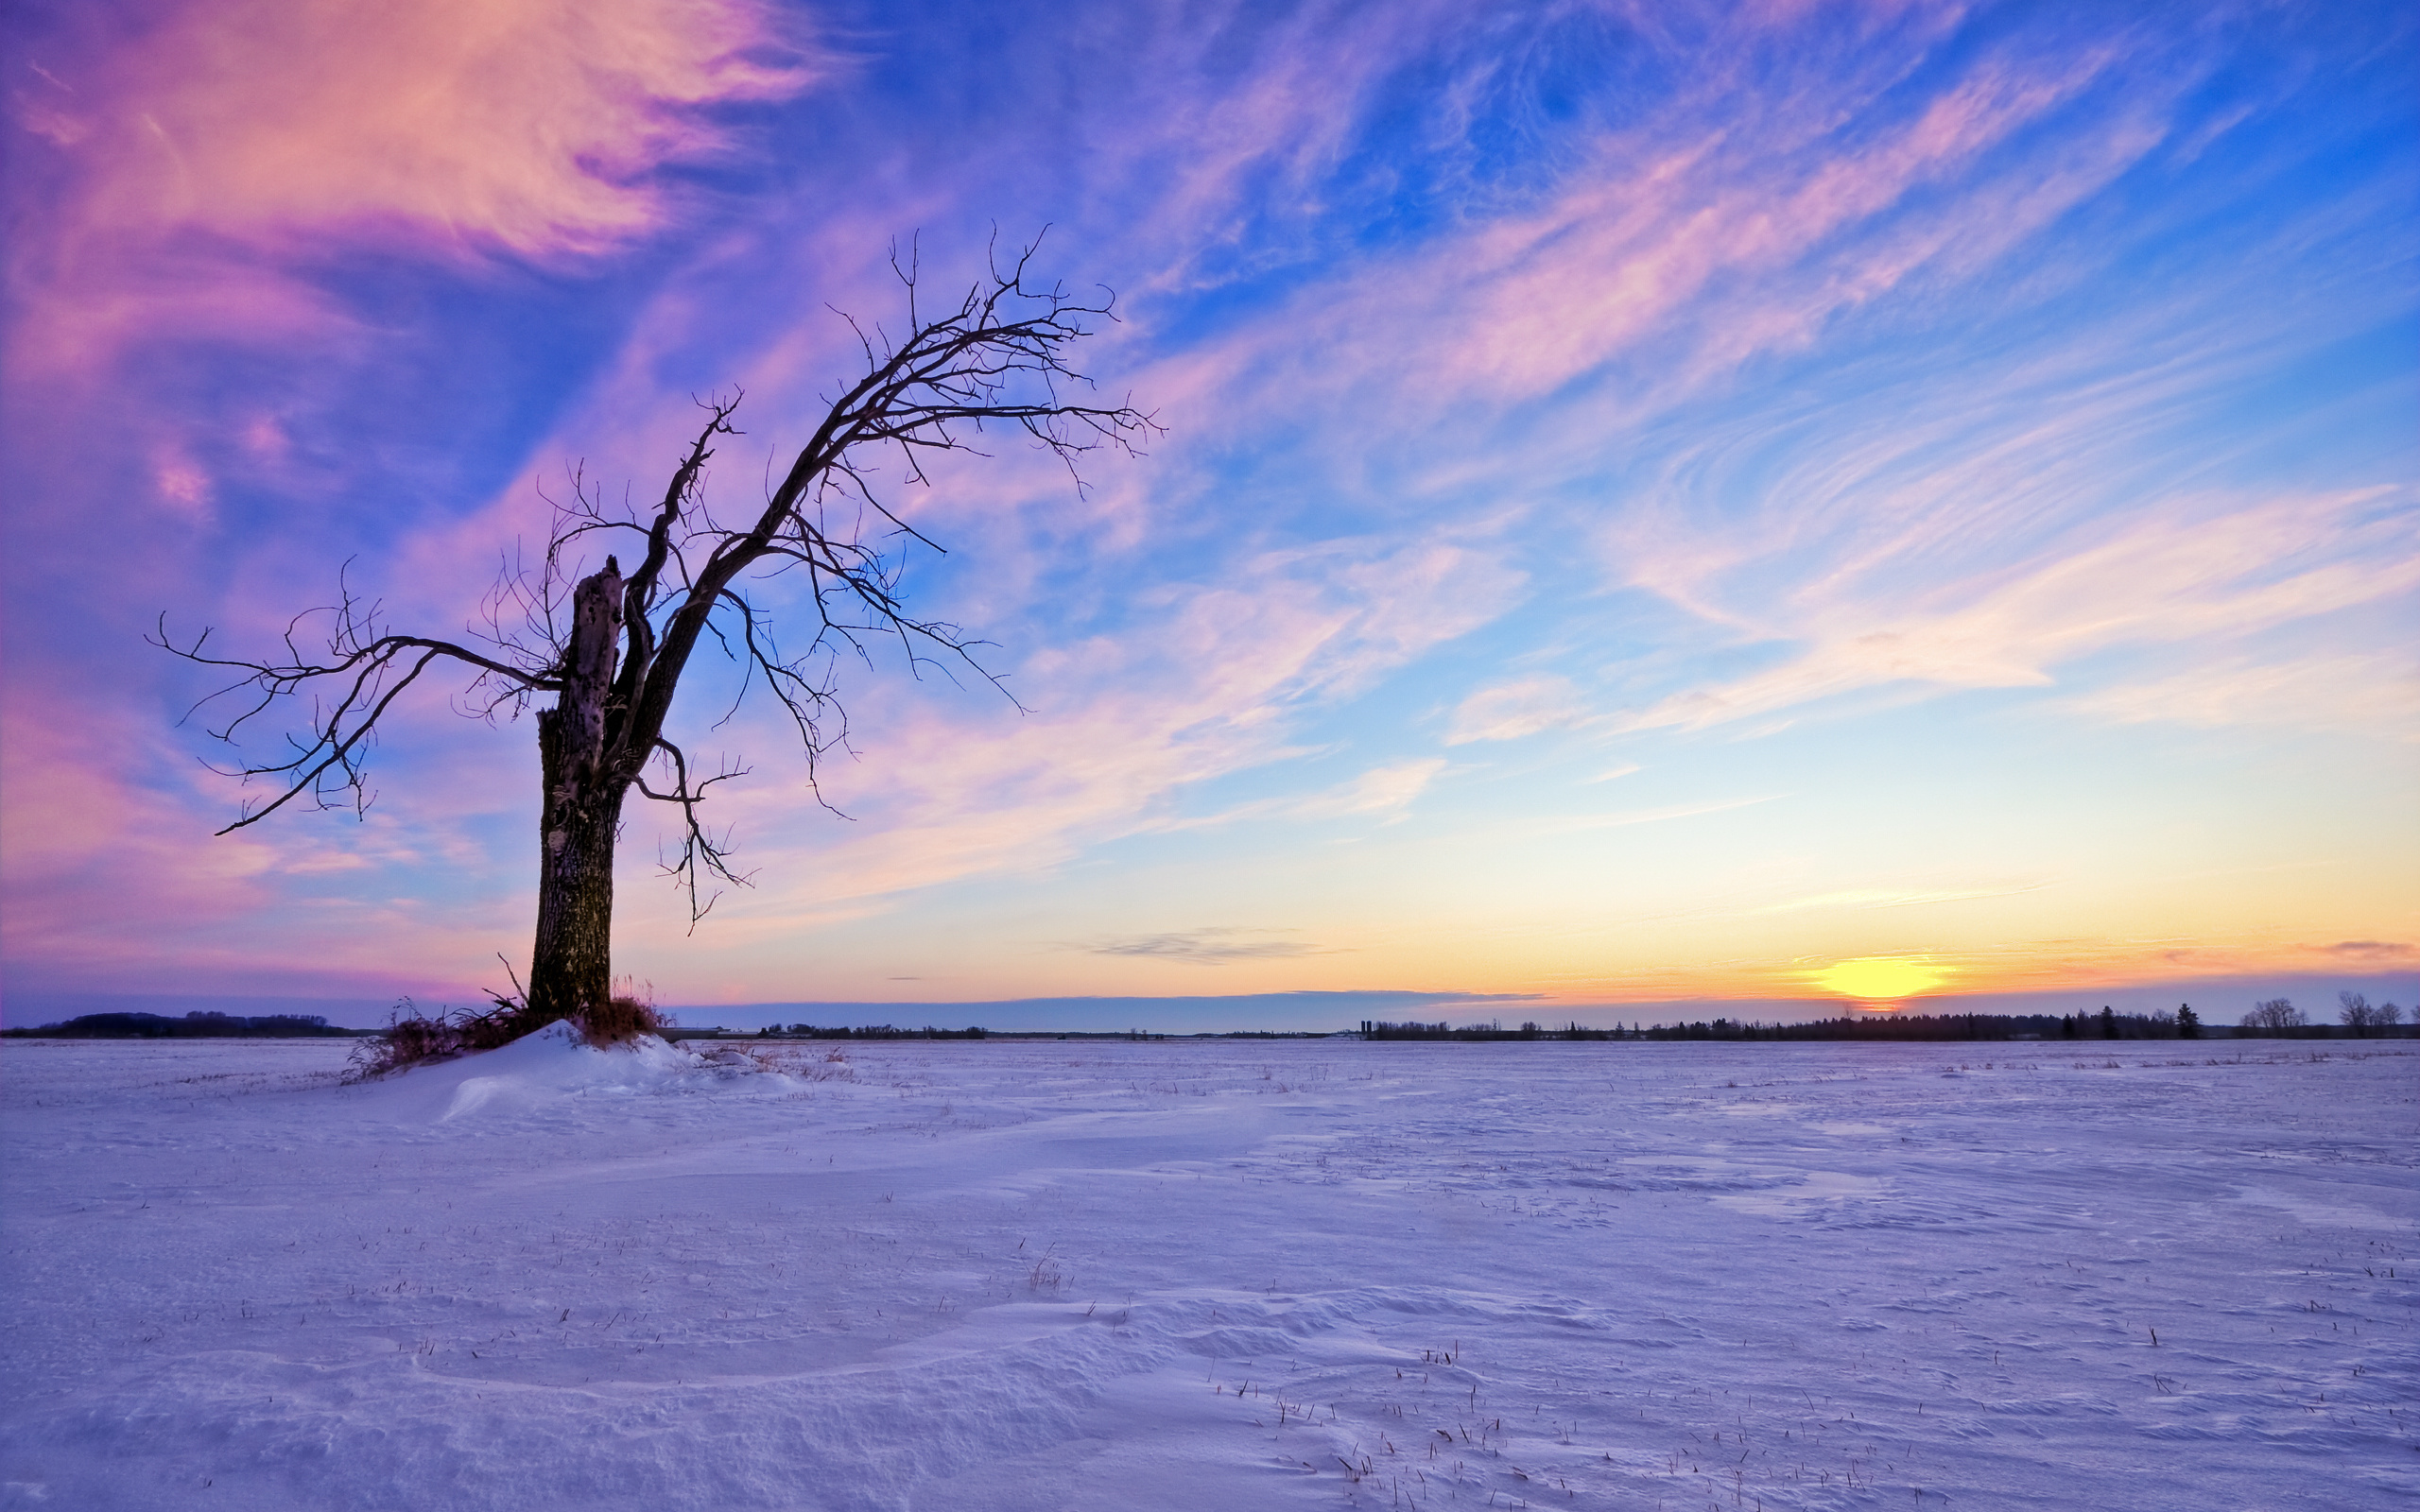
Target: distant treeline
{"type": "Point", "coordinates": [192, 1026]}
{"type": "Point", "coordinates": [863, 1031]}
{"type": "Point", "coordinates": [2107, 1024]}
{"type": "Point", "coordinates": [884, 1031]}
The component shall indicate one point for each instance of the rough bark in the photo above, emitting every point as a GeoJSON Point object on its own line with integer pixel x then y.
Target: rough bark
{"type": "Point", "coordinates": [571, 967]}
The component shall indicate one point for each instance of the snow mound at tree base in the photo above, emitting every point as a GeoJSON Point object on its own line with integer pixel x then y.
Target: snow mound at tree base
{"type": "Point", "coordinates": [553, 1064]}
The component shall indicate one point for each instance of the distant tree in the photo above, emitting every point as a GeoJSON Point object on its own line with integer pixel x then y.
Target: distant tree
{"type": "Point", "coordinates": [2068, 1025]}
{"type": "Point", "coordinates": [2188, 1023]}
{"type": "Point", "coordinates": [2275, 1014]}
{"type": "Point", "coordinates": [609, 648]}
{"type": "Point", "coordinates": [2108, 1023]}
{"type": "Point", "coordinates": [2354, 1011]}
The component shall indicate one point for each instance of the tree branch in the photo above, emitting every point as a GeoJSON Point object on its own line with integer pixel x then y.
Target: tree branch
{"type": "Point", "coordinates": [995, 361]}
{"type": "Point", "coordinates": [698, 846]}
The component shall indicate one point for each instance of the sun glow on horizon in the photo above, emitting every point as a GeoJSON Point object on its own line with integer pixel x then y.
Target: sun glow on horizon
{"type": "Point", "coordinates": [1882, 978]}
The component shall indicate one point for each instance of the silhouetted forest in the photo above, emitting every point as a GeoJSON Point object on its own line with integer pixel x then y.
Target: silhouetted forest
{"type": "Point", "coordinates": [2105, 1024]}
{"type": "Point", "coordinates": [192, 1026]}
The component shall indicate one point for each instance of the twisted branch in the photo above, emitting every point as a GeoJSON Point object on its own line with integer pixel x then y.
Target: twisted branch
{"type": "Point", "coordinates": [995, 360]}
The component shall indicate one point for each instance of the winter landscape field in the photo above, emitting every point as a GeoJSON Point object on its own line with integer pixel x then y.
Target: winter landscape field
{"type": "Point", "coordinates": [1216, 1274]}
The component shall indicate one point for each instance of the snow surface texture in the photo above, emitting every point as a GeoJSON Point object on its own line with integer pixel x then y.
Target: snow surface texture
{"type": "Point", "coordinates": [1212, 1276]}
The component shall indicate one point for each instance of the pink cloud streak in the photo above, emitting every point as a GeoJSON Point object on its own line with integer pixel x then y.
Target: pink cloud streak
{"type": "Point", "coordinates": [455, 127]}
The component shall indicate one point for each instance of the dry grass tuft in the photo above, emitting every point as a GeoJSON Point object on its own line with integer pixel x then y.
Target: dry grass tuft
{"type": "Point", "coordinates": [620, 1020]}
{"type": "Point", "coordinates": [412, 1037]}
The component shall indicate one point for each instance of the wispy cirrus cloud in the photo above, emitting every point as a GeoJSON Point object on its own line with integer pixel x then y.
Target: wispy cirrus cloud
{"type": "Point", "coordinates": [1205, 687]}
{"type": "Point", "coordinates": [1508, 711]}
{"type": "Point", "coordinates": [1208, 947]}
{"type": "Point", "coordinates": [1383, 793]}
{"type": "Point", "coordinates": [453, 129]}
{"type": "Point", "coordinates": [1639, 247]}
{"type": "Point", "coordinates": [1707, 235]}
{"type": "Point", "coordinates": [2368, 690]}
{"type": "Point", "coordinates": [526, 125]}
{"type": "Point", "coordinates": [2197, 575]}
{"type": "Point", "coordinates": [106, 880]}
{"type": "Point", "coordinates": [2378, 950]}
{"type": "Point", "coordinates": [1664, 228]}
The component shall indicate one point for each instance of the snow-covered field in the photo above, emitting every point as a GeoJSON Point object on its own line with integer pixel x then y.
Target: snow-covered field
{"type": "Point", "coordinates": [1214, 1274]}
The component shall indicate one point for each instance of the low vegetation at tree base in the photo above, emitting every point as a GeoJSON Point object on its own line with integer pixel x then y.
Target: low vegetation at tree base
{"type": "Point", "coordinates": [414, 1039]}
{"type": "Point", "coordinates": [192, 1026]}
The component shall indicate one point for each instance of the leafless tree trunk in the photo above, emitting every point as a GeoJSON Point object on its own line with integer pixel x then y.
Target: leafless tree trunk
{"type": "Point", "coordinates": [612, 649]}
{"type": "Point", "coordinates": [571, 963]}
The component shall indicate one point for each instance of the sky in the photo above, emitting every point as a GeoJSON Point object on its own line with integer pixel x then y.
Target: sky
{"type": "Point", "coordinates": [1659, 502]}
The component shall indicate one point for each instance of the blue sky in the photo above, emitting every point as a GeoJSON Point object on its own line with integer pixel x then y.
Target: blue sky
{"type": "Point", "coordinates": [1657, 501]}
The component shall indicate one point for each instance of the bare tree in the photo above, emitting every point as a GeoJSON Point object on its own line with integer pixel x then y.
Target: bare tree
{"type": "Point", "coordinates": [2275, 1014]}
{"type": "Point", "coordinates": [610, 646]}
{"type": "Point", "coordinates": [2358, 1013]}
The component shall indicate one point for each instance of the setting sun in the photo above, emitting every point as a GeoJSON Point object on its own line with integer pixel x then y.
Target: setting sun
{"type": "Point", "coordinates": [1882, 977]}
